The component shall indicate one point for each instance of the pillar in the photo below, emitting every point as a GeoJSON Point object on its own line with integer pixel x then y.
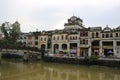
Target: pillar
{"type": "Point", "coordinates": [60, 47]}
{"type": "Point", "coordinates": [100, 48]}
{"type": "Point", "coordinates": [78, 49]}
{"type": "Point", "coordinates": [68, 48]}
{"type": "Point", "coordinates": [52, 49]}
{"type": "Point", "coordinates": [46, 46]}
{"type": "Point", "coordinates": [89, 50]}
{"type": "Point", "coordinates": [114, 48]}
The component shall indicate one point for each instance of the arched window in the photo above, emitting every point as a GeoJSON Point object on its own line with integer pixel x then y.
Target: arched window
{"type": "Point", "coordinates": [66, 37]}
{"type": "Point", "coordinates": [103, 35]}
{"type": "Point", "coordinates": [41, 39]}
{"type": "Point", "coordinates": [116, 34]}
{"type": "Point", "coordinates": [83, 41]}
{"type": "Point", "coordinates": [107, 35]}
{"type": "Point", "coordinates": [54, 38]}
{"type": "Point", "coordinates": [86, 41]}
{"type": "Point", "coordinates": [81, 33]}
{"type": "Point", "coordinates": [75, 37]}
{"type": "Point", "coordinates": [92, 35]}
{"type": "Point", "coordinates": [57, 37]}
{"type": "Point", "coordinates": [96, 34]}
{"type": "Point", "coordinates": [62, 37]}
{"type": "Point", "coordinates": [111, 35]}
{"type": "Point", "coordinates": [44, 39]}
{"type": "Point", "coordinates": [86, 34]}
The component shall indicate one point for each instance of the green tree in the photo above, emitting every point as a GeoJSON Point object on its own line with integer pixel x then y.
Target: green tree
{"type": "Point", "coordinates": [11, 33]}
{"type": "Point", "coordinates": [4, 30]}
{"type": "Point", "coordinates": [15, 31]}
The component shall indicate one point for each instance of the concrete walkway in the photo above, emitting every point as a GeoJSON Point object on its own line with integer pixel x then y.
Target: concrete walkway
{"type": "Point", "coordinates": [110, 59]}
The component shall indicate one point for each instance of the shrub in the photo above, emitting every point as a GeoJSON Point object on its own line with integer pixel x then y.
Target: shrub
{"type": "Point", "coordinates": [91, 60]}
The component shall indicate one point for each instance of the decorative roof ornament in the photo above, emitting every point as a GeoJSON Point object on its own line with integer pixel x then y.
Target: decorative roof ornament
{"type": "Point", "coordinates": [107, 28]}
{"type": "Point", "coordinates": [74, 23]}
{"type": "Point", "coordinates": [118, 28]}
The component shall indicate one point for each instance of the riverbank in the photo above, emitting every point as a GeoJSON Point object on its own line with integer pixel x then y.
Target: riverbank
{"type": "Point", "coordinates": [85, 61]}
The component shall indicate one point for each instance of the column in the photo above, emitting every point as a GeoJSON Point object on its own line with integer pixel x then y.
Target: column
{"type": "Point", "coordinates": [114, 48]}
{"type": "Point", "coordinates": [78, 49]}
{"type": "Point", "coordinates": [100, 48]}
{"type": "Point", "coordinates": [52, 49]}
{"type": "Point", "coordinates": [89, 50]}
{"type": "Point", "coordinates": [68, 48]}
{"type": "Point", "coordinates": [46, 46]}
{"type": "Point", "coordinates": [60, 47]}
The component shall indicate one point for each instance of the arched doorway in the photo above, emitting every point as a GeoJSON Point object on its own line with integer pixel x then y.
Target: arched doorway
{"type": "Point", "coordinates": [64, 48]}
{"type": "Point", "coordinates": [73, 48]}
{"type": "Point", "coordinates": [43, 47]}
{"type": "Point", "coordinates": [56, 46]}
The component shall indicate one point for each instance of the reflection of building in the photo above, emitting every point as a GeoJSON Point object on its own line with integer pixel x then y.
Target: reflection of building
{"type": "Point", "coordinates": [77, 39]}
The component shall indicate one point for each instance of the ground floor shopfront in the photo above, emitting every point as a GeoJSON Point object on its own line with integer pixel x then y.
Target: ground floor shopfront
{"type": "Point", "coordinates": [98, 48]}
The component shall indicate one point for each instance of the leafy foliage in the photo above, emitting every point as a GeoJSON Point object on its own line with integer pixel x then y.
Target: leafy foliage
{"type": "Point", "coordinates": [11, 34]}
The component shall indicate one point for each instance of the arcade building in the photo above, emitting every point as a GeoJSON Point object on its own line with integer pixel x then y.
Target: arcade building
{"type": "Point", "coordinates": [77, 39]}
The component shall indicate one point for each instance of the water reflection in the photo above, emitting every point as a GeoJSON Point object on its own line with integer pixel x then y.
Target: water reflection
{"type": "Point", "coordinates": [51, 71]}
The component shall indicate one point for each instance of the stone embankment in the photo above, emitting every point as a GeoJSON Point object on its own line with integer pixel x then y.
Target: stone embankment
{"type": "Point", "coordinates": [85, 61]}
{"type": "Point", "coordinates": [26, 55]}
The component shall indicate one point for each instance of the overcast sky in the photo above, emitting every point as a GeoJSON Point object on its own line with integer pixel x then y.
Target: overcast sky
{"type": "Point", "coordinates": [52, 14]}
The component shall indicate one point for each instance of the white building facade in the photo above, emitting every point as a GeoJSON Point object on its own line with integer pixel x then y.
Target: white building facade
{"type": "Point", "coordinates": [78, 40]}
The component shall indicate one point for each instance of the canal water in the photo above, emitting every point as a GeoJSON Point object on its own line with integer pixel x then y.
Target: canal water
{"type": "Point", "coordinates": [10, 70]}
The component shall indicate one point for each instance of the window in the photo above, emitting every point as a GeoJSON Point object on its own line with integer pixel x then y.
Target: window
{"type": "Point", "coordinates": [36, 42]}
{"type": "Point", "coordinates": [24, 37]}
{"type": "Point", "coordinates": [41, 39]}
{"type": "Point", "coordinates": [21, 38]}
{"type": "Point", "coordinates": [116, 34]}
{"type": "Point", "coordinates": [107, 35]}
{"type": "Point", "coordinates": [54, 38]}
{"type": "Point", "coordinates": [66, 37]}
{"type": "Point", "coordinates": [57, 37]}
{"type": "Point", "coordinates": [107, 43]}
{"type": "Point", "coordinates": [44, 39]}
{"type": "Point", "coordinates": [86, 41]}
{"type": "Point", "coordinates": [62, 37]}
{"type": "Point", "coordinates": [83, 41]}
{"type": "Point", "coordinates": [36, 37]}
{"type": "Point", "coordinates": [103, 35]}
{"type": "Point", "coordinates": [96, 34]}
{"type": "Point", "coordinates": [75, 37]}
{"type": "Point", "coordinates": [83, 33]}
{"type": "Point", "coordinates": [92, 35]}
{"type": "Point", "coordinates": [111, 35]}
{"type": "Point", "coordinates": [86, 33]}
{"type": "Point", "coordinates": [24, 43]}
{"type": "Point", "coordinates": [118, 43]}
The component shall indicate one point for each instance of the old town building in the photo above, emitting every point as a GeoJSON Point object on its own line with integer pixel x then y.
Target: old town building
{"type": "Point", "coordinates": [78, 40]}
